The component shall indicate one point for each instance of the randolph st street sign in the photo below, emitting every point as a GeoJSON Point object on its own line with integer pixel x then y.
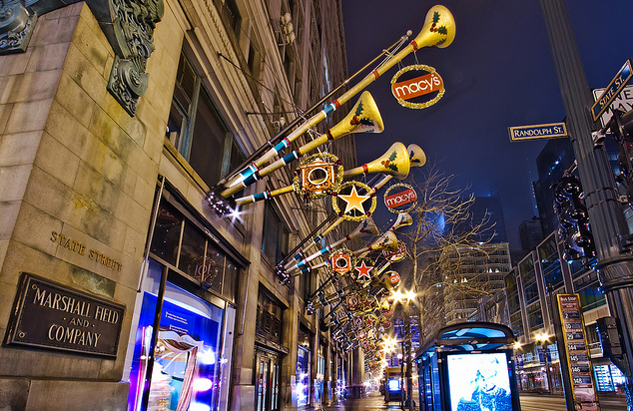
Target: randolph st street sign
{"type": "Point", "coordinates": [50, 315]}
{"type": "Point", "coordinates": [540, 131]}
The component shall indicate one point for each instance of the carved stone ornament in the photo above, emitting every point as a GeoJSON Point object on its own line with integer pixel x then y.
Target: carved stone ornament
{"type": "Point", "coordinates": [133, 26]}
{"type": "Point", "coordinates": [16, 26]}
{"type": "Point", "coordinates": [127, 24]}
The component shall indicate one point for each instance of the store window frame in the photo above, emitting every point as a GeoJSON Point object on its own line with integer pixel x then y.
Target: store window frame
{"type": "Point", "coordinates": [280, 241]}
{"type": "Point", "coordinates": [164, 285]}
{"type": "Point", "coordinates": [212, 238]}
{"type": "Point", "coordinates": [191, 98]}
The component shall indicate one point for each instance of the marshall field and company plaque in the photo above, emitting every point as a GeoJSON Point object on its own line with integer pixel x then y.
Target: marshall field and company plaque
{"type": "Point", "coordinates": [52, 316]}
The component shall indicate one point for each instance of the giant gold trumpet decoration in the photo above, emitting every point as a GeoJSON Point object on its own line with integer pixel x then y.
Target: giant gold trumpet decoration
{"type": "Point", "coordinates": [402, 220]}
{"type": "Point", "coordinates": [395, 162]}
{"type": "Point", "coordinates": [366, 226]}
{"type": "Point", "coordinates": [386, 241]}
{"type": "Point", "coordinates": [416, 158]}
{"type": "Point", "coordinates": [363, 118]}
{"type": "Point", "coordinates": [438, 31]}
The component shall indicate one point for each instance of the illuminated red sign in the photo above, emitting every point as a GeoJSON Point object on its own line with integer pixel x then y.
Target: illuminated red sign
{"type": "Point", "coordinates": [401, 198]}
{"type": "Point", "coordinates": [417, 87]}
{"type": "Point", "coordinates": [397, 255]}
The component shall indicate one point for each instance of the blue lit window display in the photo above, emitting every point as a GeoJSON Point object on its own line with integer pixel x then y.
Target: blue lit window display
{"type": "Point", "coordinates": [186, 367]}
{"type": "Point", "coordinates": [303, 377]}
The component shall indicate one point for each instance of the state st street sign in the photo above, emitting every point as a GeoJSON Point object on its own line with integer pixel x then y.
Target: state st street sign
{"type": "Point", "coordinates": [613, 89]}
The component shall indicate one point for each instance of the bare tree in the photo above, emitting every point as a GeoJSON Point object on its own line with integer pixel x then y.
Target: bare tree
{"type": "Point", "coordinates": [441, 243]}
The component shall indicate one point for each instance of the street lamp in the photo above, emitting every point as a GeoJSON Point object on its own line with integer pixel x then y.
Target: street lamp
{"type": "Point", "coordinates": [400, 359]}
{"type": "Point", "coordinates": [404, 298]}
{"type": "Point", "coordinates": [542, 339]}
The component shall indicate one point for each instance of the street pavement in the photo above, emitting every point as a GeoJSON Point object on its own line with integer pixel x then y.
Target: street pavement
{"type": "Point", "coordinates": [376, 402]}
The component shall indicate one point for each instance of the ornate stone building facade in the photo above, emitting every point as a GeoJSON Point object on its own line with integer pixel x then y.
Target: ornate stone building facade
{"type": "Point", "coordinates": [120, 287]}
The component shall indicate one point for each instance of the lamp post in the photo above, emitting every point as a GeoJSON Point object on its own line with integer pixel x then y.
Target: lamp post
{"type": "Point", "coordinates": [542, 339]}
{"type": "Point", "coordinates": [405, 299]}
{"type": "Point", "coordinates": [401, 360]}
{"type": "Point", "coordinates": [615, 262]}
{"type": "Point", "coordinates": [518, 365]}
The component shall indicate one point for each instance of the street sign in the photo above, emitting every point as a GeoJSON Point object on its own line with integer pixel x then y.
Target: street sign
{"type": "Point", "coordinates": [540, 131]}
{"type": "Point", "coordinates": [583, 386]}
{"type": "Point", "coordinates": [623, 102]}
{"type": "Point", "coordinates": [612, 90]}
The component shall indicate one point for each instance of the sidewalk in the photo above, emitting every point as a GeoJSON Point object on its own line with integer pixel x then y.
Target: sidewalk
{"type": "Point", "coordinates": [375, 401]}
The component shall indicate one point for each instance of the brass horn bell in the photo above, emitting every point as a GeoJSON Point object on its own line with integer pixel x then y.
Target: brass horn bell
{"type": "Point", "coordinates": [438, 30]}
{"type": "Point", "coordinates": [395, 162]}
{"type": "Point", "coordinates": [417, 157]}
{"type": "Point", "coordinates": [363, 118]}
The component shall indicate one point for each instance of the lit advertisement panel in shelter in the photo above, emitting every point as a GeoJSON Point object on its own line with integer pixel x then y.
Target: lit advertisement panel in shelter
{"type": "Point", "coordinates": [479, 382]}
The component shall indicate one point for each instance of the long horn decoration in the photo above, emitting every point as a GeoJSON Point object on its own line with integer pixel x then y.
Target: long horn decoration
{"type": "Point", "coordinates": [395, 162]}
{"type": "Point", "coordinates": [366, 226]}
{"type": "Point", "coordinates": [438, 31]}
{"type": "Point", "coordinates": [316, 177]}
{"type": "Point", "coordinates": [403, 220]}
{"type": "Point", "coordinates": [417, 158]}
{"type": "Point", "coordinates": [387, 241]}
{"type": "Point", "coordinates": [363, 118]}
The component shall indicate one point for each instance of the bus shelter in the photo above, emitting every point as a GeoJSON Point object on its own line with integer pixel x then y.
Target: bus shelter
{"type": "Point", "coordinates": [468, 367]}
{"type": "Point", "coordinates": [393, 384]}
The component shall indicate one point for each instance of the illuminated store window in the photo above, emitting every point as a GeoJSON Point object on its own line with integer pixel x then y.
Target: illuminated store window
{"type": "Point", "coordinates": [188, 249]}
{"type": "Point", "coordinates": [303, 377]}
{"type": "Point", "coordinates": [303, 369]}
{"type": "Point", "coordinates": [188, 355]}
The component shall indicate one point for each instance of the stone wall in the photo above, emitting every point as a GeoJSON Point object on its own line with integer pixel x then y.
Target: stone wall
{"type": "Point", "coordinates": [73, 163]}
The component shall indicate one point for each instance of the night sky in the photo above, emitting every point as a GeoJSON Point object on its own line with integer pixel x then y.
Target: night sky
{"type": "Point", "coordinates": [498, 73]}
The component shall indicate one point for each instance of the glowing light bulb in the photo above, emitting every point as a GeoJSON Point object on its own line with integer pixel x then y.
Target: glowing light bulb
{"type": "Point", "coordinates": [207, 356]}
{"type": "Point", "coordinates": [202, 384]}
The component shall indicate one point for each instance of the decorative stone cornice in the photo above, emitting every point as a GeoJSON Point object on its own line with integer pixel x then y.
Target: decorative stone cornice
{"type": "Point", "coordinates": [127, 24]}
{"type": "Point", "coordinates": [16, 26]}
{"type": "Point", "coordinates": [133, 23]}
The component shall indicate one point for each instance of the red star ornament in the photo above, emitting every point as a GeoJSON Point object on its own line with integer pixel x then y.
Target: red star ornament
{"type": "Point", "coordinates": [363, 272]}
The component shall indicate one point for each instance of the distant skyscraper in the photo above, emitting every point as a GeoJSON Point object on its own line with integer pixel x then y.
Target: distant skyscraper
{"type": "Point", "coordinates": [490, 206]}
{"type": "Point", "coordinates": [530, 234]}
{"type": "Point", "coordinates": [478, 272]}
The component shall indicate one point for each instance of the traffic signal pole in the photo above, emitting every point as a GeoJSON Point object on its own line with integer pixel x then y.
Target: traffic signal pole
{"type": "Point", "coordinates": [615, 263]}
